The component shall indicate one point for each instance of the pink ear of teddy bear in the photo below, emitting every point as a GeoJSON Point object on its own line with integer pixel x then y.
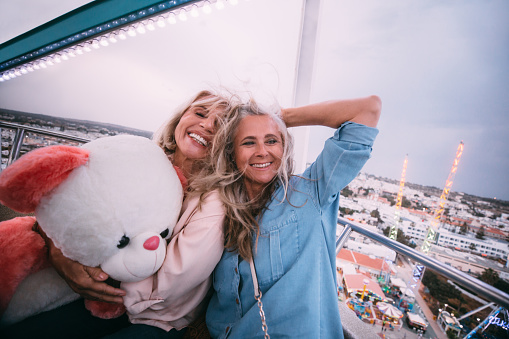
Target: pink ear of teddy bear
{"type": "Point", "coordinates": [23, 183]}
{"type": "Point", "coordinates": [22, 252]}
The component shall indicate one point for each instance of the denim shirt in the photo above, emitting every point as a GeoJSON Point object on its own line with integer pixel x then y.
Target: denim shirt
{"type": "Point", "coordinates": [295, 258]}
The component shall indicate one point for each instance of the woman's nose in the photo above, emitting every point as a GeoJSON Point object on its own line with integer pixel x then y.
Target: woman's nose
{"type": "Point", "coordinates": [261, 150]}
{"type": "Point", "coordinates": [209, 124]}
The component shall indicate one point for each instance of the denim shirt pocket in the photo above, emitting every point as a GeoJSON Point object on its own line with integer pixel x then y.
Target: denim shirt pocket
{"type": "Point", "coordinates": [277, 249]}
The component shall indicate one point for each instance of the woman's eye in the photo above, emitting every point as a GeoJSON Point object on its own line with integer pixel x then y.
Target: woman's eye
{"type": "Point", "coordinates": [247, 143]}
{"type": "Point", "coordinates": [201, 114]}
{"type": "Point", "coordinates": [123, 242]}
{"type": "Point", "coordinates": [272, 141]}
{"type": "Point", "coordinates": [165, 233]}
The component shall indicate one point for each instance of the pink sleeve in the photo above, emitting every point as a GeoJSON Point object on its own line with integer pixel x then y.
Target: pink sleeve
{"type": "Point", "coordinates": [194, 252]}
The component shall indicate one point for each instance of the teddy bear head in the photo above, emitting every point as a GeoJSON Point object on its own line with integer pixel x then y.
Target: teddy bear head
{"type": "Point", "coordinates": [112, 202]}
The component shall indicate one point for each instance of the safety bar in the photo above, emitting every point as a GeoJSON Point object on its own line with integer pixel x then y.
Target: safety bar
{"type": "Point", "coordinates": [480, 287]}
{"type": "Point", "coordinates": [21, 132]}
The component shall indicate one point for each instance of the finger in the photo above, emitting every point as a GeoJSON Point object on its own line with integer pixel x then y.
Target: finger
{"type": "Point", "coordinates": [103, 292]}
{"type": "Point", "coordinates": [106, 298]}
{"type": "Point", "coordinates": [96, 273]}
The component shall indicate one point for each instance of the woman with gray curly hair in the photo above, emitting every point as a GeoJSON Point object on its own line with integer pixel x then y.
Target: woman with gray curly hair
{"type": "Point", "coordinates": [277, 275]}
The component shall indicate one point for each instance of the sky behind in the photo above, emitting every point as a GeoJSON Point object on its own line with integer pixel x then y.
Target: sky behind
{"type": "Point", "coordinates": [441, 69]}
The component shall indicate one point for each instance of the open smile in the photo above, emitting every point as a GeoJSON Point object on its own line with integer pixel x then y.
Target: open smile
{"type": "Point", "coordinates": [264, 165]}
{"type": "Point", "coordinates": [199, 139]}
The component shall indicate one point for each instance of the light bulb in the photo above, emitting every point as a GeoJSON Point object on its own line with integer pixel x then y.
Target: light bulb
{"type": "Point", "coordinates": [131, 31]}
{"type": "Point", "coordinates": [141, 28]}
{"type": "Point", "coordinates": [182, 15]}
{"type": "Point", "coordinates": [104, 41]}
{"type": "Point", "coordinates": [160, 21]}
{"type": "Point", "coordinates": [113, 37]}
{"type": "Point", "coordinates": [206, 8]}
{"type": "Point", "coordinates": [194, 11]}
{"type": "Point", "coordinates": [171, 18]}
{"type": "Point", "coordinates": [150, 25]}
{"type": "Point", "coordinates": [219, 4]}
{"type": "Point", "coordinates": [122, 34]}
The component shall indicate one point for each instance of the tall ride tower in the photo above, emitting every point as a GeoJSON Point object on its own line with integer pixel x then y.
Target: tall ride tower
{"type": "Point", "coordinates": [439, 210]}
{"type": "Point", "coordinates": [393, 232]}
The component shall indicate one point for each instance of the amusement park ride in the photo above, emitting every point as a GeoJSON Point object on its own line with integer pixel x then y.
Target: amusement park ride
{"type": "Point", "coordinates": [393, 232]}
{"type": "Point", "coordinates": [499, 316]}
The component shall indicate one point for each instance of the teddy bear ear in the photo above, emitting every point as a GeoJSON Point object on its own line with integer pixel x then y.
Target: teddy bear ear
{"type": "Point", "coordinates": [23, 183]}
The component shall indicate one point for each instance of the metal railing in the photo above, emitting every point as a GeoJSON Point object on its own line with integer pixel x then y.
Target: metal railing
{"type": "Point", "coordinates": [21, 132]}
{"type": "Point", "coordinates": [480, 287]}
{"type": "Point", "coordinates": [354, 330]}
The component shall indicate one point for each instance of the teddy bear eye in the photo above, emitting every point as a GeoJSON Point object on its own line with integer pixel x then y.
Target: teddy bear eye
{"type": "Point", "coordinates": [123, 242]}
{"type": "Point", "coordinates": [165, 233]}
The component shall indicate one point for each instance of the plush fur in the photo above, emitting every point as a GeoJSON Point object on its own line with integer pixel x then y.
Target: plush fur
{"type": "Point", "coordinates": [18, 259]}
{"type": "Point", "coordinates": [88, 200]}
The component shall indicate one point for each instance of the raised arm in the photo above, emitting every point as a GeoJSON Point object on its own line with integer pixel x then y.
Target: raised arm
{"type": "Point", "coordinates": [333, 113]}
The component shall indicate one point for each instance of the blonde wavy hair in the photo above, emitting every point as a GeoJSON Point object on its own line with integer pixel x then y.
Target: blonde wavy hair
{"type": "Point", "coordinates": [242, 214]}
{"type": "Point", "coordinates": [165, 135]}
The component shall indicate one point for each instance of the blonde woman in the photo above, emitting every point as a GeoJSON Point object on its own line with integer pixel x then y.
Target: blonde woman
{"type": "Point", "coordinates": [165, 304]}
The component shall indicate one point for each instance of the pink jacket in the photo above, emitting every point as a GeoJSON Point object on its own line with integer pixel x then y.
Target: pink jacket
{"type": "Point", "coordinates": [176, 295]}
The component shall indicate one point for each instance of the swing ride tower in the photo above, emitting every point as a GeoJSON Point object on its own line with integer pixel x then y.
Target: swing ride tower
{"type": "Point", "coordinates": [439, 210]}
{"type": "Point", "coordinates": [393, 232]}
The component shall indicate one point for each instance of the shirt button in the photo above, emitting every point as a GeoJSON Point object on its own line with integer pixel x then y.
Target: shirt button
{"type": "Point", "coordinates": [227, 329]}
{"type": "Point", "coordinates": [236, 270]}
{"type": "Point", "coordinates": [237, 301]}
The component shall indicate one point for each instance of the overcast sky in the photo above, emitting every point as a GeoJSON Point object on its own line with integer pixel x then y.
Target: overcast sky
{"type": "Point", "coordinates": [441, 69]}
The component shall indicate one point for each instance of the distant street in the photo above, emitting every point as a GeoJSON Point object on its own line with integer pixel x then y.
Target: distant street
{"type": "Point", "coordinates": [433, 331]}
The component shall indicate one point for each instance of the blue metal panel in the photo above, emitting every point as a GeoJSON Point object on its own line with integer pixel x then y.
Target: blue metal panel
{"type": "Point", "coordinates": [83, 23]}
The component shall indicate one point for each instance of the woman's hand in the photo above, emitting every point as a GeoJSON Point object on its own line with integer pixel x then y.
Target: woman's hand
{"type": "Point", "coordinates": [89, 282]}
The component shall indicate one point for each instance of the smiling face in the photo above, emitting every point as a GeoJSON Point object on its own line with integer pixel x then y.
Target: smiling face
{"type": "Point", "coordinates": [258, 150]}
{"type": "Point", "coordinates": [194, 133]}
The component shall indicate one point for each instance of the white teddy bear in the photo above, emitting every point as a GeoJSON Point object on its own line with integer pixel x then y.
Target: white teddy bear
{"type": "Point", "coordinates": [110, 203]}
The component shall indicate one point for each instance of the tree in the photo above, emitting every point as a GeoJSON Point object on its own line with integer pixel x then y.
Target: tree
{"type": "Point", "coordinates": [489, 276]}
{"type": "Point", "coordinates": [400, 237]}
{"type": "Point", "coordinates": [439, 289]}
{"type": "Point", "coordinates": [480, 234]}
{"type": "Point", "coordinates": [472, 246]}
{"type": "Point", "coordinates": [406, 203]}
{"type": "Point", "coordinates": [346, 192]}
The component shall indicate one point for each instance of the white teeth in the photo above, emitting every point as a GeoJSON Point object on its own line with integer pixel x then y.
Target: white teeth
{"type": "Point", "coordinates": [261, 165]}
{"type": "Point", "coordinates": [198, 138]}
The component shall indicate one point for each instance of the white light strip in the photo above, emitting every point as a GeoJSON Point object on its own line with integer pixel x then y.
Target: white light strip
{"type": "Point", "coordinates": [140, 27]}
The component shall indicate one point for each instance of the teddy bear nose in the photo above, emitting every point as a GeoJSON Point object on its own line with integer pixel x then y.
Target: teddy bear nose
{"type": "Point", "coordinates": [151, 243]}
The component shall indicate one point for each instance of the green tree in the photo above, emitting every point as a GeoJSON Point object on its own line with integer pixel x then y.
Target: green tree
{"type": "Point", "coordinates": [489, 276]}
{"type": "Point", "coordinates": [472, 246]}
{"type": "Point", "coordinates": [406, 203]}
{"type": "Point", "coordinates": [400, 237]}
{"type": "Point", "coordinates": [346, 192]}
{"type": "Point", "coordinates": [480, 234]}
